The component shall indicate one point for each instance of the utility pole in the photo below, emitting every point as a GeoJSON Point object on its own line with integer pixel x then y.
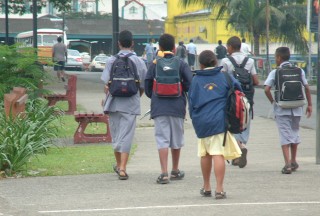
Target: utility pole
{"type": "Point", "coordinates": [7, 21]}
{"type": "Point", "coordinates": [115, 26]}
{"type": "Point", "coordinates": [267, 36]}
{"type": "Point", "coordinates": [318, 98]}
{"type": "Point", "coordinates": [35, 23]}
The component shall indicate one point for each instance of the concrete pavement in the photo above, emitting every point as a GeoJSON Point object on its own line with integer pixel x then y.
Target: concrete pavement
{"type": "Point", "coordinates": [258, 189]}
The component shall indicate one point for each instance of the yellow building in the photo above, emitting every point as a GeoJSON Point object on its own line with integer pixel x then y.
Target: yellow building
{"type": "Point", "coordinates": [195, 22]}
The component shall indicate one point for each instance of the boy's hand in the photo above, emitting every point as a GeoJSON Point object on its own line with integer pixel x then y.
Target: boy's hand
{"type": "Point", "coordinates": [309, 111]}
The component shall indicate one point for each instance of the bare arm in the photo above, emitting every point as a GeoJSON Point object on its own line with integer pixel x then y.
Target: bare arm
{"type": "Point", "coordinates": [255, 79]}
{"type": "Point", "coordinates": [267, 91]}
{"type": "Point", "coordinates": [308, 96]}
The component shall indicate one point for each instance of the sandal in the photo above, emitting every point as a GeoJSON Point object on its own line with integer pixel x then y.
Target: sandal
{"type": "Point", "coordinates": [163, 178]}
{"type": "Point", "coordinates": [294, 166]}
{"type": "Point", "coordinates": [235, 162]}
{"type": "Point", "coordinates": [286, 169]}
{"type": "Point", "coordinates": [176, 175]}
{"type": "Point", "coordinates": [205, 193]}
{"type": "Point", "coordinates": [243, 159]}
{"type": "Point", "coordinates": [116, 169]}
{"type": "Point", "coordinates": [220, 195]}
{"type": "Point", "coordinates": [123, 177]}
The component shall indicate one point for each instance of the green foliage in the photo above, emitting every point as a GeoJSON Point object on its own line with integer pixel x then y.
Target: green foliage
{"type": "Point", "coordinates": [27, 135]}
{"type": "Point", "coordinates": [61, 5]}
{"type": "Point", "coordinates": [287, 19]}
{"type": "Point", "coordinates": [19, 68]}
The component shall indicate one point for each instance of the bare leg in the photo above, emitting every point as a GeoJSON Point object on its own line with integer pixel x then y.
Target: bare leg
{"type": "Point", "coordinates": [117, 156]}
{"type": "Point", "coordinates": [294, 148]}
{"type": "Point", "coordinates": [286, 153]}
{"type": "Point", "coordinates": [206, 167]}
{"type": "Point", "coordinates": [123, 160]}
{"type": "Point", "coordinates": [175, 153]}
{"type": "Point", "coordinates": [163, 156]}
{"type": "Point", "coordinates": [219, 171]}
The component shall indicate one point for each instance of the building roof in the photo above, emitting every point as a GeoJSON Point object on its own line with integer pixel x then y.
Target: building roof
{"type": "Point", "coordinates": [129, 2]}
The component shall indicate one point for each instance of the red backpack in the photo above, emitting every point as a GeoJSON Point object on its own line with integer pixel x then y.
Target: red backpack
{"type": "Point", "coordinates": [237, 110]}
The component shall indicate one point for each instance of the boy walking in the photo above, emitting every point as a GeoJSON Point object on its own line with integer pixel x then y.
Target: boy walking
{"type": "Point", "coordinates": [287, 119]}
{"type": "Point", "coordinates": [168, 113]}
{"type": "Point", "coordinates": [221, 52]}
{"type": "Point", "coordinates": [236, 58]}
{"type": "Point", "coordinates": [60, 57]}
{"type": "Point", "coordinates": [123, 110]}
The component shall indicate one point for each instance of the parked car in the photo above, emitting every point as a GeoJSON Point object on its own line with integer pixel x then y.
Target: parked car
{"type": "Point", "coordinates": [98, 63]}
{"type": "Point", "coordinates": [74, 60]}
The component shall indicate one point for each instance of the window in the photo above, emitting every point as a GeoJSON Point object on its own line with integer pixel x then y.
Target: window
{"type": "Point", "coordinates": [133, 10]}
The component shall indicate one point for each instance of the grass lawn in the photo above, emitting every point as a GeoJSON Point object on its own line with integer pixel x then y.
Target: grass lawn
{"type": "Point", "coordinates": [76, 159]}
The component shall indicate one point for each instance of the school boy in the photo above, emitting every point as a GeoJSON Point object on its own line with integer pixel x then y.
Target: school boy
{"type": "Point", "coordinates": [233, 48]}
{"type": "Point", "coordinates": [123, 110]}
{"type": "Point", "coordinates": [287, 119]}
{"type": "Point", "coordinates": [168, 114]}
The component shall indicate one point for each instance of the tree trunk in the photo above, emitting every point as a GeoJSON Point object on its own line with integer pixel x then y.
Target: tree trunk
{"type": "Point", "coordinates": [256, 39]}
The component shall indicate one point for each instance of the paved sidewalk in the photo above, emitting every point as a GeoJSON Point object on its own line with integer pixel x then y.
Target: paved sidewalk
{"type": "Point", "coordinates": [258, 189]}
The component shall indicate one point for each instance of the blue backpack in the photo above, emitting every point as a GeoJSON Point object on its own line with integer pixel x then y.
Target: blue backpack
{"type": "Point", "coordinates": [124, 79]}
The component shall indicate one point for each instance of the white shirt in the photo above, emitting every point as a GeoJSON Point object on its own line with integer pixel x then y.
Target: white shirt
{"type": "Point", "coordinates": [238, 57]}
{"type": "Point", "coordinates": [192, 49]}
{"type": "Point", "coordinates": [245, 48]}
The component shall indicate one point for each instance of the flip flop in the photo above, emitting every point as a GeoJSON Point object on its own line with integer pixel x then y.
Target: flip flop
{"type": "Point", "coordinates": [123, 177]}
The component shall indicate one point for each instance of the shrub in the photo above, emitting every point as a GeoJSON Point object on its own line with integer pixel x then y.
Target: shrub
{"type": "Point", "coordinates": [19, 68]}
{"type": "Point", "coordinates": [26, 135]}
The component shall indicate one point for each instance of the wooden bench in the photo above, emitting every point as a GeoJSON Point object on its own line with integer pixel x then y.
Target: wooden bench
{"type": "Point", "coordinates": [70, 96]}
{"type": "Point", "coordinates": [86, 118]}
{"type": "Point", "coordinates": [15, 101]}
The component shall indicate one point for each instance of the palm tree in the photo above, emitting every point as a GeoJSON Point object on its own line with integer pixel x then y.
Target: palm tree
{"type": "Point", "coordinates": [287, 19]}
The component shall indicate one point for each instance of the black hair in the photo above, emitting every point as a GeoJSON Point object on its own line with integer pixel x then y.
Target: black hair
{"type": "Point", "coordinates": [59, 39]}
{"type": "Point", "coordinates": [191, 40]}
{"type": "Point", "coordinates": [243, 40]}
{"type": "Point", "coordinates": [125, 38]}
{"type": "Point", "coordinates": [234, 42]}
{"type": "Point", "coordinates": [166, 42]}
{"type": "Point", "coordinates": [219, 42]}
{"type": "Point", "coordinates": [207, 58]}
{"type": "Point", "coordinates": [283, 53]}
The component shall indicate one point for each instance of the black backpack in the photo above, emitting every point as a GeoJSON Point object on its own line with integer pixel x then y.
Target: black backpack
{"type": "Point", "coordinates": [244, 77]}
{"type": "Point", "coordinates": [124, 79]}
{"type": "Point", "coordinates": [289, 89]}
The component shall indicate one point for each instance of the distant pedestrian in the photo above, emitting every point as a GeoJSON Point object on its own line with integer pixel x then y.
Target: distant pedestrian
{"type": "Point", "coordinates": [192, 53]}
{"type": "Point", "coordinates": [181, 51]}
{"type": "Point", "coordinates": [247, 84]}
{"type": "Point", "coordinates": [287, 119]}
{"type": "Point", "coordinates": [60, 57]}
{"type": "Point", "coordinates": [221, 52]}
{"type": "Point", "coordinates": [149, 51]}
{"type": "Point", "coordinates": [207, 107]}
{"type": "Point", "coordinates": [168, 112]}
{"type": "Point", "coordinates": [123, 110]}
{"type": "Point", "coordinates": [245, 48]}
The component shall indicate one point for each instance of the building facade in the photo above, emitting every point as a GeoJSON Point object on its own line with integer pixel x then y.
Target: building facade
{"type": "Point", "coordinates": [195, 22]}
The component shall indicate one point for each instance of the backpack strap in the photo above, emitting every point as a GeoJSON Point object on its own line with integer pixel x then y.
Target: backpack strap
{"type": "Point", "coordinates": [235, 64]}
{"type": "Point", "coordinates": [231, 89]}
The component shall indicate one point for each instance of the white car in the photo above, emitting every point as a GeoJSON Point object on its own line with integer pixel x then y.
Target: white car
{"type": "Point", "coordinates": [98, 63]}
{"type": "Point", "coordinates": [74, 60]}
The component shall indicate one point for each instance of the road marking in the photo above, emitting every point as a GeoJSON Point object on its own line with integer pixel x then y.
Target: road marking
{"type": "Point", "coordinates": [178, 206]}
